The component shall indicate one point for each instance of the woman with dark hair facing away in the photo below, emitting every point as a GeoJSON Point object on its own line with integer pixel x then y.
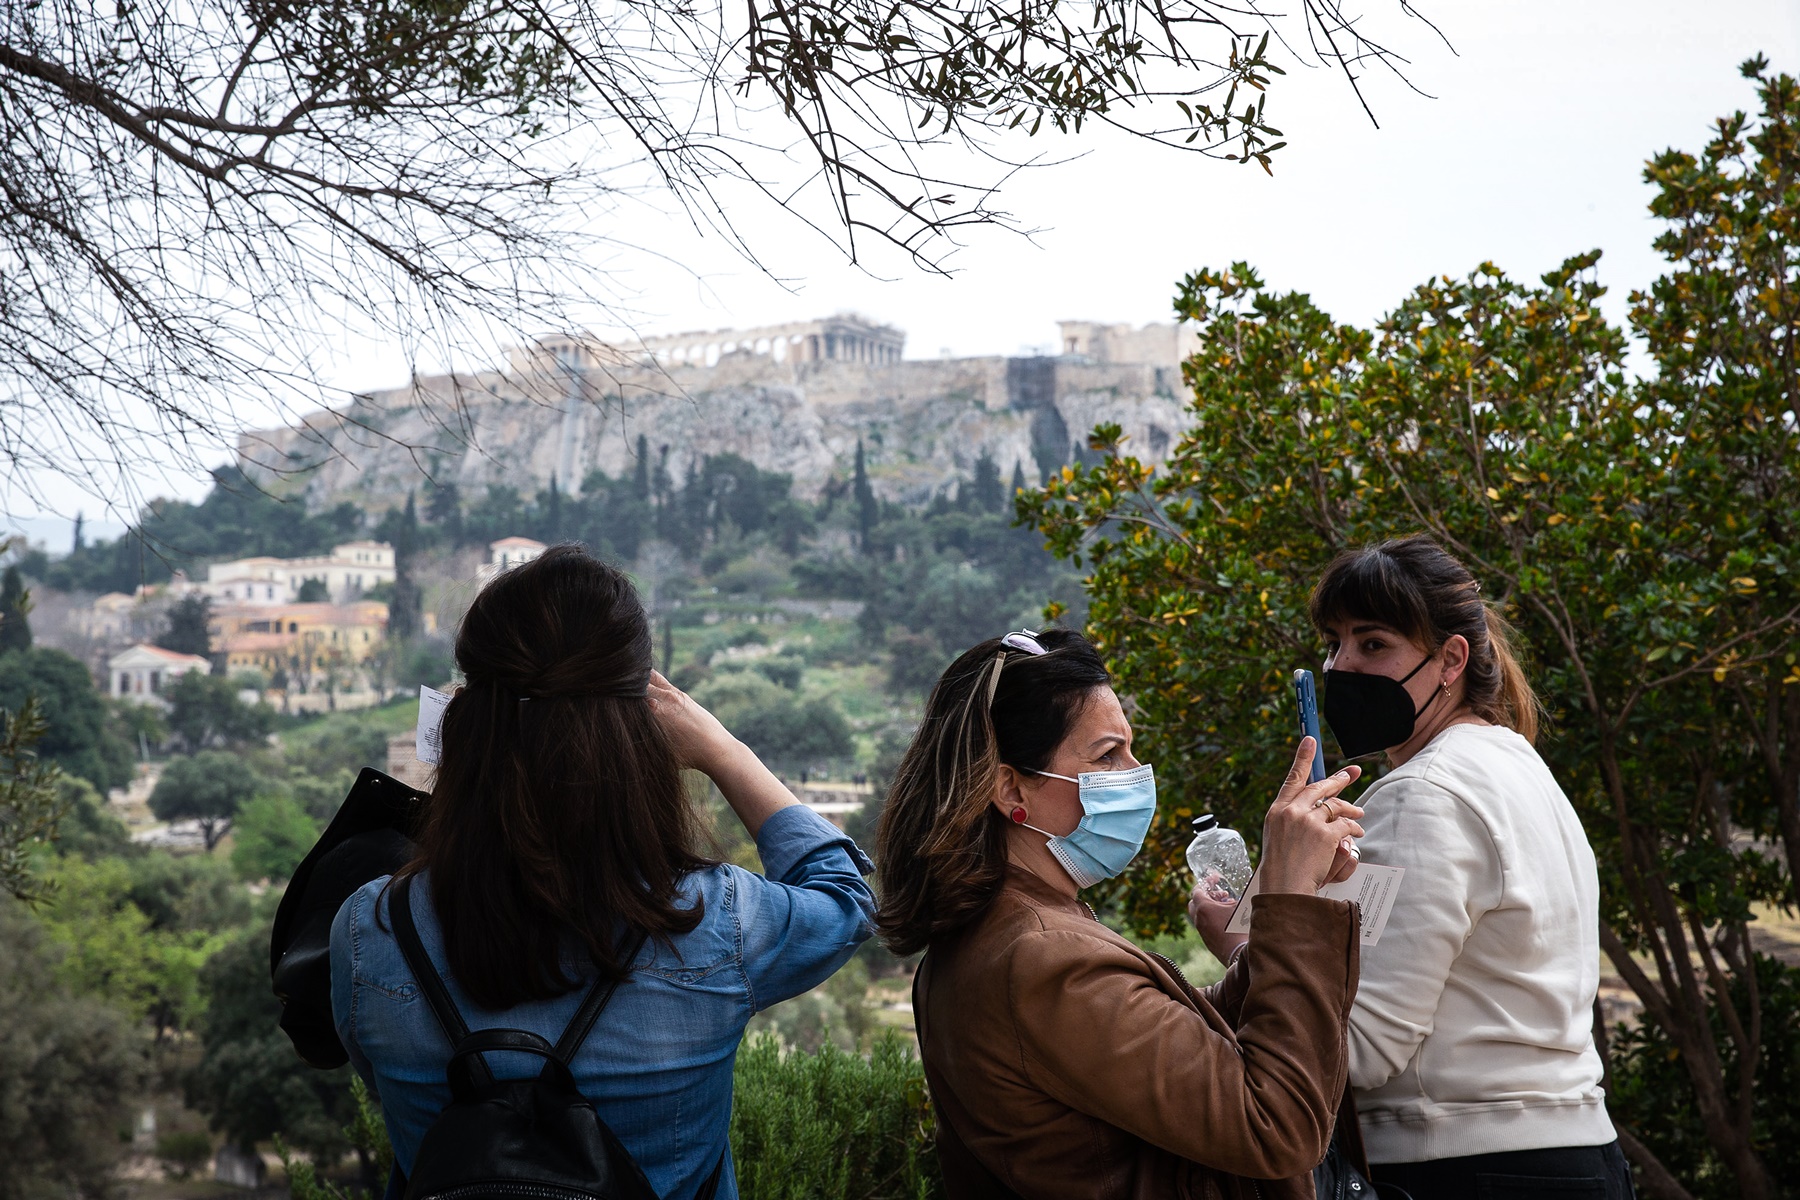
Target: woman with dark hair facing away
{"type": "Point", "coordinates": [1471, 1043]}
{"type": "Point", "coordinates": [558, 836]}
{"type": "Point", "coordinates": [1063, 1060]}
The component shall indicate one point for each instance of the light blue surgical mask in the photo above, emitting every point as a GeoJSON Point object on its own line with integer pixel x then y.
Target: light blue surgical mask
{"type": "Point", "coordinates": [1116, 810]}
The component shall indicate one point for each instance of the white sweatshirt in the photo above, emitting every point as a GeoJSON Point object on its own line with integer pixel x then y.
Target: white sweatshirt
{"type": "Point", "coordinates": [1473, 1026]}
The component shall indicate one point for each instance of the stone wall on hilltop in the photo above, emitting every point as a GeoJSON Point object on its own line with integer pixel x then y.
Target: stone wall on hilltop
{"type": "Point", "coordinates": [923, 423]}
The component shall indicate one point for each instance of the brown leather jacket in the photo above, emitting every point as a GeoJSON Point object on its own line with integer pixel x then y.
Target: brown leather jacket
{"type": "Point", "coordinates": [1066, 1062]}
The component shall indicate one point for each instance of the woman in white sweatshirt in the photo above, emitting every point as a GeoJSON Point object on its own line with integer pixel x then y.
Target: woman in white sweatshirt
{"type": "Point", "coordinates": [1471, 1041]}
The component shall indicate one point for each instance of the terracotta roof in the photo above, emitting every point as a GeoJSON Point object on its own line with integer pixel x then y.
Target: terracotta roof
{"type": "Point", "coordinates": [518, 541]}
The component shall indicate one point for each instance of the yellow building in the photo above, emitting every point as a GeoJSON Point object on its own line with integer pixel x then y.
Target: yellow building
{"type": "Point", "coordinates": [309, 645]}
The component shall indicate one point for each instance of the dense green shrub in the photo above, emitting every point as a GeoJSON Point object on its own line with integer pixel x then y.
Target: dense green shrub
{"type": "Point", "coordinates": [71, 1068]}
{"type": "Point", "coordinates": [341, 742]}
{"type": "Point", "coordinates": [829, 1125]}
{"type": "Point", "coordinates": [184, 1151]}
{"type": "Point", "coordinates": [366, 1135]}
{"type": "Point", "coordinates": [88, 828]}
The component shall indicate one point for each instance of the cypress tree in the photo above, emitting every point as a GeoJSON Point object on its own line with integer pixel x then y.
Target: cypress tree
{"type": "Point", "coordinates": [552, 526]}
{"type": "Point", "coordinates": [15, 603]}
{"type": "Point", "coordinates": [188, 630]}
{"type": "Point", "coordinates": [868, 511]}
{"type": "Point", "coordinates": [985, 493]}
{"type": "Point", "coordinates": [640, 479]}
{"type": "Point", "coordinates": [403, 612]}
{"type": "Point", "coordinates": [1018, 480]}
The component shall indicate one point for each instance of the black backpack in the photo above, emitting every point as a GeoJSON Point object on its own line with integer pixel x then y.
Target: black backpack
{"type": "Point", "coordinates": [516, 1139]}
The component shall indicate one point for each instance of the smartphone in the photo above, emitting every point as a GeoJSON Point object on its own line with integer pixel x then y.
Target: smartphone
{"type": "Point", "coordinates": [1309, 719]}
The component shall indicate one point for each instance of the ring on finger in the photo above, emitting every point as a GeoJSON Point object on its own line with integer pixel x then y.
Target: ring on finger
{"type": "Point", "coordinates": [1325, 803]}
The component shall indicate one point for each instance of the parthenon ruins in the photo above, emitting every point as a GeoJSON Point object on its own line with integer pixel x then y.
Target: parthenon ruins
{"type": "Point", "coordinates": [842, 337]}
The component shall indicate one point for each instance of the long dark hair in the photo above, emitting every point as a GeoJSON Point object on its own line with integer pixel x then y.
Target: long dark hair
{"type": "Point", "coordinates": [558, 820]}
{"type": "Point", "coordinates": [1416, 587]}
{"type": "Point", "coordinates": [942, 844]}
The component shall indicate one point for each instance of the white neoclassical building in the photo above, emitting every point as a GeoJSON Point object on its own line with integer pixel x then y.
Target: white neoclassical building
{"type": "Point", "coordinates": [507, 553]}
{"type": "Point", "coordinates": [143, 673]}
{"type": "Point", "coordinates": [347, 572]}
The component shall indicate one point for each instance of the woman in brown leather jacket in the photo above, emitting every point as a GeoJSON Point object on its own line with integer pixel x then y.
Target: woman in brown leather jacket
{"type": "Point", "coordinates": [1063, 1060]}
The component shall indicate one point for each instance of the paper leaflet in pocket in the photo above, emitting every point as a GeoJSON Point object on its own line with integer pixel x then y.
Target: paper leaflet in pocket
{"type": "Point", "coordinates": [430, 744]}
{"type": "Point", "coordinates": [1373, 888]}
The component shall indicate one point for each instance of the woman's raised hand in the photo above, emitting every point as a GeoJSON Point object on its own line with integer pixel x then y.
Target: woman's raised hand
{"type": "Point", "coordinates": [696, 736]}
{"type": "Point", "coordinates": [1308, 833]}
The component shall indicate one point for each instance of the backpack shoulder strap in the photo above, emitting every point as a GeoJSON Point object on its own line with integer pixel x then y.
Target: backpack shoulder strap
{"type": "Point", "coordinates": [406, 934]}
{"type": "Point", "coordinates": [601, 994]}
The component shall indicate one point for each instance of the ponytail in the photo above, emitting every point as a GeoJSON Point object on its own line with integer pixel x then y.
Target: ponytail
{"type": "Point", "coordinates": [1515, 706]}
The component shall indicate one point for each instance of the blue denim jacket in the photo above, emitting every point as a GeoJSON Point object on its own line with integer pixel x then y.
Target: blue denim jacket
{"type": "Point", "coordinates": [658, 1064]}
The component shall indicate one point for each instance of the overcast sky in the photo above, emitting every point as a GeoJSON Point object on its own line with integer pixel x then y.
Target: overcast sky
{"type": "Point", "coordinates": [1529, 148]}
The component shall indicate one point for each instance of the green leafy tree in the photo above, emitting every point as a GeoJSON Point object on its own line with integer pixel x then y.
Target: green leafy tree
{"type": "Point", "coordinates": [208, 787]}
{"type": "Point", "coordinates": [272, 834]}
{"type": "Point", "coordinates": [184, 893]}
{"type": "Point", "coordinates": [141, 726]}
{"type": "Point", "coordinates": [205, 711]}
{"type": "Point", "coordinates": [112, 952]}
{"type": "Point", "coordinates": [31, 802]}
{"type": "Point", "coordinates": [189, 628]}
{"type": "Point", "coordinates": [796, 735]}
{"type": "Point", "coordinates": [71, 1072]}
{"type": "Point", "coordinates": [15, 608]}
{"type": "Point", "coordinates": [78, 736]}
{"type": "Point", "coordinates": [313, 591]}
{"type": "Point", "coordinates": [249, 1082]}
{"type": "Point", "coordinates": [88, 828]}
{"type": "Point", "coordinates": [1721, 327]}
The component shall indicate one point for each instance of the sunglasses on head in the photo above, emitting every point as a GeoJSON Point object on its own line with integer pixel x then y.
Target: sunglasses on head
{"type": "Point", "coordinates": [1025, 641]}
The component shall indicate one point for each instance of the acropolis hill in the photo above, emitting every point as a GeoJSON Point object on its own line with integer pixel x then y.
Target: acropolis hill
{"type": "Point", "coordinates": [791, 398]}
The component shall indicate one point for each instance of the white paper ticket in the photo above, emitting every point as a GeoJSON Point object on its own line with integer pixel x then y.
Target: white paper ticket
{"type": "Point", "coordinates": [430, 743]}
{"type": "Point", "coordinates": [1372, 887]}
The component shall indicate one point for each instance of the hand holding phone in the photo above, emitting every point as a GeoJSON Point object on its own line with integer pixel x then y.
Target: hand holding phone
{"type": "Point", "coordinates": [1309, 719]}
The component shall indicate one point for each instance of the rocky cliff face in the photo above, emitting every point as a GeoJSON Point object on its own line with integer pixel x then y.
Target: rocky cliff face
{"type": "Point", "coordinates": [923, 424]}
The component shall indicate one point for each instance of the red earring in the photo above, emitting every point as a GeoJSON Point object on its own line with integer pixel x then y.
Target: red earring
{"type": "Point", "coordinates": [1019, 814]}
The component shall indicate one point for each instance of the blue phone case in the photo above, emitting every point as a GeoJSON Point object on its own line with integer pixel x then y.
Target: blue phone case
{"type": "Point", "coordinates": [1309, 719]}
